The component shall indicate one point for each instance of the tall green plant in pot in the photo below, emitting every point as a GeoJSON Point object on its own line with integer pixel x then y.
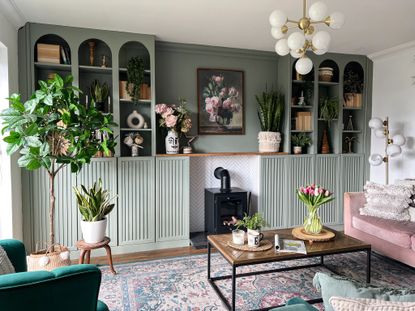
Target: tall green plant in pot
{"type": "Point", "coordinates": [271, 115]}
{"type": "Point", "coordinates": [94, 204]}
{"type": "Point", "coordinates": [52, 130]}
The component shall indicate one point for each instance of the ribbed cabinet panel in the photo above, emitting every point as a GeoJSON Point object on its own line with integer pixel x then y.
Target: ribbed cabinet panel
{"type": "Point", "coordinates": [136, 224]}
{"type": "Point", "coordinates": [273, 191]}
{"type": "Point", "coordinates": [302, 174]}
{"type": "Point", "coordinates": [327, 176]}
{"type": "Point", "coordinates": [66, 218]}
{"type": "Point", "coordinates": [353, 173]}
{"type": "Point", "coordinates": [172, 198]}
{"type": "Point", "coordinates": [106, 169]}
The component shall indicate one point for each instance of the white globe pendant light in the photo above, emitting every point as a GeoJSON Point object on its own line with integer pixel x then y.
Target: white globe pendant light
{"type": "Point", "coordinates": [277, 19]}
{"type": "Point", "coordinates": [277, 33]}
{"type": "Point", "coordinates": [321, 40]}
{"type": "Point", "coordinates": [320, 52]}
{"type": "Point", "coordinates": [318, 11]}
{"type": "Point", "coordinates": [295, 54]}
{"type": "Point", "coordinates": [399, 140]}
{"type": "Point", "coordinates": [336, 20]}
{"type": "Point", "coordinates": [393, 150]}
{"type": "Point", "coordinates": [379, 133]}
{"type": "Point", "coordinates": [281, 47]}
{"type": "Point", "coordinates": [303, 65]}
{"type": "Point", "coordinates": [296, 41]}
{"type": "Point", "coordinates": [376, 123]}
{"type": "Point", "coordinates": [375, 159]}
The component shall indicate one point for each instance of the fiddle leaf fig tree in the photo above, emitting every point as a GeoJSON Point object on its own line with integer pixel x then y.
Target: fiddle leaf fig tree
{"type": "Point", "coordinates": [52, 130]}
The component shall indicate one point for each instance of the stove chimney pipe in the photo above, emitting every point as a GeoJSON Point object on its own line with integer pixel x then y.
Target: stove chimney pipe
{"type": "Point", "coordinates": [225, 179]}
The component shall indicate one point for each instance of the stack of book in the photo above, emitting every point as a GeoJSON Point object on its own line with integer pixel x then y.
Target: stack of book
{"type": "Point", "coordinates": [145, 91]}
{"type": "Point", "coordinates": [303, 121]}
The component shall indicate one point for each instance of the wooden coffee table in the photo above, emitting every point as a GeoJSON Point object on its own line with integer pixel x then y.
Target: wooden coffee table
{"type": "Point", "coordinates": [339, 245]}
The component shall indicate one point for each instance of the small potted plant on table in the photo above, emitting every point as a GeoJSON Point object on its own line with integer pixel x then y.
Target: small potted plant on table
{"type": "Point", "coordinates": [299, 141]}
{"type": "Point", "coordinates": [94, 204]}
{"type": "Point", "coordinates": [253, 225]}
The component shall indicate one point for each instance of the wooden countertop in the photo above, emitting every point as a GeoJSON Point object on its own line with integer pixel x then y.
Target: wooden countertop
{"type": "Point", "coordinates": [221, 154]}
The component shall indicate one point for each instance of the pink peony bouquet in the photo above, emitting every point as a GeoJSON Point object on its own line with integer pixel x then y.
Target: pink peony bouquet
{"type": "Point", "coordinates": [314, 196]}
{"type": "Point", "coordinates": [176, 118]}
{"type": "Point", "coordinates": [220, 101]}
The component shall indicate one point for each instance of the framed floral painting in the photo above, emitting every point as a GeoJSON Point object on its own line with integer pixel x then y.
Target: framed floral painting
{"type": "Point", "coordinates": [220, 95]}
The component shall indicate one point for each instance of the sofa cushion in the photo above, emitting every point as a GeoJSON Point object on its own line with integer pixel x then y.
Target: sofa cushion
{"type": "Point", "coordinates": [392, 231]}
{"type": "Point", "coordinates": [364, 304]}
{"type": "Point", "coordinates": [413, 242]}
{"type": "Point", "coordinates": [339, 286]}
{"type": "Point", "coordinates": [6, 266]}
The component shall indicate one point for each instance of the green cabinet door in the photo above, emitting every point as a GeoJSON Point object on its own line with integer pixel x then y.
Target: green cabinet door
{"type": "Point", "coordinates": [301, 168]}
{"type": "Point", "coordinates": [327, 176]}
{"type": "Point", "coordinates": [273, 191]}
{"type": "Point", "coordinates": [36, 211]}
{"type": "Point", "coordinates": [136, 224]}
{"type": "Point", "coordinates": [353, 172]}
{"type": "Point", "coordinates": [172, 198]}
{"type": "Point", "coordinates": [106, 169]}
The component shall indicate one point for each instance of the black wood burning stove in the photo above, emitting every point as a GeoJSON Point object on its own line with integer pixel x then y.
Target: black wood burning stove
{"type": "Point", "coordinates": [223, 208]}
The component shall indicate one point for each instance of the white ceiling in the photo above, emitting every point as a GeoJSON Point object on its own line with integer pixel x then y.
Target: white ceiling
{"type": "Point", "coordinates": [230, 23]}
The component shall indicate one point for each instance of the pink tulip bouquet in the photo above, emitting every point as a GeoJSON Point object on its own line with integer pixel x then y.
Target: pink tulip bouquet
{"type": "Point", "coordinates": [176, 118]}
{"type": "Point", "coordinates": [220, 101]}
{"type": "Point", "coordinates": [313, 197]}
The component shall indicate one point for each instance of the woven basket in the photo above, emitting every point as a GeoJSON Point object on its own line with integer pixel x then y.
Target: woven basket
{"type": "Point", "coordinates": [48, 259]}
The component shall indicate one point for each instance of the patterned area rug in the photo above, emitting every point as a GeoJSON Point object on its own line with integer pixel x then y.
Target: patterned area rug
{"type": "Point", "coordinates": [180, 283]}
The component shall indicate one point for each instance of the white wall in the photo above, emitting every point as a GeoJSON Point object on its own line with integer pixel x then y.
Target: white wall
{"type": "Point", "coordinates": [11, 206]}
{"type": "Point", "coordinates": [394, 96]}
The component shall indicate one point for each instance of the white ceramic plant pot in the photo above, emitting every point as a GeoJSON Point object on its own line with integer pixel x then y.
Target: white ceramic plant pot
{"type": "Point", "coordinates": [269, 141]}
{"type": "Point", "coordinates": [94, 231]}
{"type": "Point", "coordinates": [298, 150]}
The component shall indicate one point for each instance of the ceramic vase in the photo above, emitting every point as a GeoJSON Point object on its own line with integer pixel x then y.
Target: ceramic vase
{"type": "Point", "coordinates": [172, 142]}
{"type": "Point", "coordinates": [94, 231]}
{"type": "Point", "coordinates": [312, 223]}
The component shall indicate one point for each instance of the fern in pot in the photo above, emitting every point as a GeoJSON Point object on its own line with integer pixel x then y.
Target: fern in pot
{"type": "Point", "coordinates": [94, 204]}
{"type": "Point", "coordinates": [271, 114]}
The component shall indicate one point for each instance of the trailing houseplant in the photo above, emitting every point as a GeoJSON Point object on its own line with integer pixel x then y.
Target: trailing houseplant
{"type": "Point", "coordinates": [99, 94]}
{"type": "Point", "coordinates": [52, 130]}
{"type": "Point", "coordinates": [271, 114]}
{"type": "Point", "coordinates": [135, 77]}
{"type": "Point", "coordinates": [94, 204]}
{"type": "Point", "coordinates": [299, 141]}
{"type": "Point", "coordinates": [329, 109]}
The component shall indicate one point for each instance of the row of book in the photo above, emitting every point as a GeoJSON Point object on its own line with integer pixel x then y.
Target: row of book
{"type": "Point", "coordinates": [303, 121]}
{"type": "Point", "coordinates": [145, 91]}
{"type": "Point", "coordinates": [53, 53]}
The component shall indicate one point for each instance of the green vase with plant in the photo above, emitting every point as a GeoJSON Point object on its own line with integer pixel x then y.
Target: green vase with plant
{"type": "Point", "coordinates": [299, 141]}
{"type": "Point", "coordinates": [94, 204]}
{"type": "Point", "coordinates": [271, 115]}
{"type": "Point", "coordinates": [52, 129]}
{"type": "Point", "coordinates": [99, 94]}
{"type": "Point", "coordinates": [135, 77]}
{"type": "Point", "coordinates": [313, 197]}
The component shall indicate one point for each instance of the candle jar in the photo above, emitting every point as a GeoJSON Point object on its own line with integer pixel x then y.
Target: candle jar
{"type": "Point", "coordinates": [238, 237]}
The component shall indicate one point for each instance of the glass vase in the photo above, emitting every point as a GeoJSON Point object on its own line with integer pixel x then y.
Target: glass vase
{"type": "Point", "coordinates": [312, 223]}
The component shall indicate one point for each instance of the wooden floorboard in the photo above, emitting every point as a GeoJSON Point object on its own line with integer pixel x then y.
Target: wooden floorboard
{"type": "Point", "coordinates": [149, 255]}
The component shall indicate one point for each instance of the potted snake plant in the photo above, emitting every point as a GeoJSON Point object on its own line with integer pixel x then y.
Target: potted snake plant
{"type": "Point", "coordinates": [270, 113]}
{"type": "Point", "coordinates": [94, 204]}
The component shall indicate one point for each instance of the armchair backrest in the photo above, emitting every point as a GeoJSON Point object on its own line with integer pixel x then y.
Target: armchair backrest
{"type": "Point", "coordinates": [16, 252]}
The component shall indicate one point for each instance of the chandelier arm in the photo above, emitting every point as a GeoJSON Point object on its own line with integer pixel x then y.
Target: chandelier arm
{"type": "Point", "coordinates": [305, 8]}
{"type": "Point", "coordinates": [292, 21]}
{"type": "Point", "coordinates": [318, 22]}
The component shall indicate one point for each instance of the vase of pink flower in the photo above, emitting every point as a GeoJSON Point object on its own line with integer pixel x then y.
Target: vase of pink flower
{"type": "Point", "coordinates": [176, 119]}
{"type": "Point", "coordinates": [313, 197]}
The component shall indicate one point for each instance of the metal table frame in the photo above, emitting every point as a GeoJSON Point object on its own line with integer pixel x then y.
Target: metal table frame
{"type": "Point", "coordinates": [231, 305]}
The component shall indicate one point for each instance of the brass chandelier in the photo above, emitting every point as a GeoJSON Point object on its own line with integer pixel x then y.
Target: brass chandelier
{"type": "Point", "coordinates": [307, 38]}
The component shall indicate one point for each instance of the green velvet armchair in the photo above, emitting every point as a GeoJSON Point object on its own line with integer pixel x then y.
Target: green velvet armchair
{"type": "Point", "coordinates": [68, 288]}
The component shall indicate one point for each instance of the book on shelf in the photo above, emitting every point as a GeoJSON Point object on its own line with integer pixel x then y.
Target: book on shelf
{"type": "Point", "coordinates": [303, 121]}
{"type": "Point", "coordinates": [48, 53]}
{"type": "Point", "coordinates": [289, 246]}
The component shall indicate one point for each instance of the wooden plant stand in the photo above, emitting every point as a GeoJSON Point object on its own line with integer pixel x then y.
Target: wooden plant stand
{"type": "Point", "coordinates": [86, 251]}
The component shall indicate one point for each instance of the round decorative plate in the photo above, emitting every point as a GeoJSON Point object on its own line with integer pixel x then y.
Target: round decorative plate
{"type": "Point", "coordinates": [264, 245]}
{"type": "Point", "coordinates": [324, 235]}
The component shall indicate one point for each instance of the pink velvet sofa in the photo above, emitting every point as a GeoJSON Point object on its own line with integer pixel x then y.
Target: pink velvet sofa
{"type": "Point", "coordinates": [395, 239]}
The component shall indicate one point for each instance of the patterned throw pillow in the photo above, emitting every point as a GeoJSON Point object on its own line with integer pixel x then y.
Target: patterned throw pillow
{"type": "Point", "coordinates": [364, 304]}
{"type": "Point", "coordinates": [388, 201]}
{"type": "Point", "coordinates": [6, 266]}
